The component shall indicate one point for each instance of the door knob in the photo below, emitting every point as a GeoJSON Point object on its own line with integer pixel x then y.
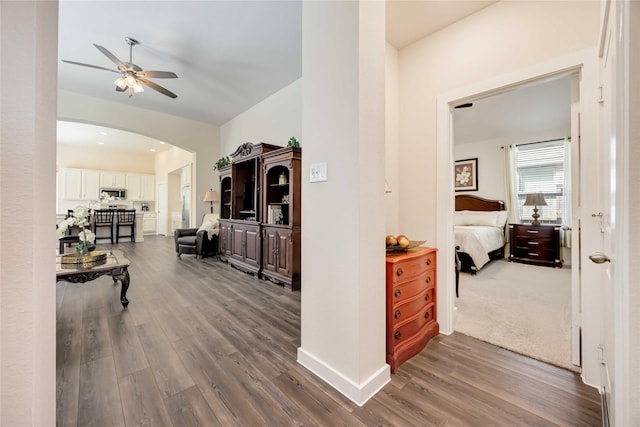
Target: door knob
{"type": "Point", "coordinates": [599, 258]}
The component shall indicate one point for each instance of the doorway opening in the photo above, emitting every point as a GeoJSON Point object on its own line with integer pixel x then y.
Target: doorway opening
{"type": "Point", "coordinates": [448, 152]}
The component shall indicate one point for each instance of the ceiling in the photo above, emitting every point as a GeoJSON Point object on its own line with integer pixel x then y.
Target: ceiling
{"type": "Point", "coordinates": [533, 109]}
{"type": "Point", "coordinates": [228, 55]}
{"type": "Point", "coordinates": [73, 133]}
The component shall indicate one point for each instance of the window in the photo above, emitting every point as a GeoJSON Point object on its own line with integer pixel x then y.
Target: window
{"type": "Point", "coordinates": [540, 168]}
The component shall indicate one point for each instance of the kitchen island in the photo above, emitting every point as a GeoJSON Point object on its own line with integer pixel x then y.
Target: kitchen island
{"type": "Point", "coordinates": [103, 234]}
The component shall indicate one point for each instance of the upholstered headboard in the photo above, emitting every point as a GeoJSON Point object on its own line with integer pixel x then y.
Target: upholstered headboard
{"type": "Point", "coordinates": [466, 202]}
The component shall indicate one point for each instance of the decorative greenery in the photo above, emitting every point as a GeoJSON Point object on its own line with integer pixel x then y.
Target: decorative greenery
{"type": "Point", "coordinates": [79, 218]}
{"type": "Point", "coordinates": [223, 161]}
{"type": "Point", "coordinates": [293, 142]}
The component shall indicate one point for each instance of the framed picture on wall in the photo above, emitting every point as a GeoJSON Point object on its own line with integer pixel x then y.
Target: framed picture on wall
{"type": "Point", "coordinates": [465, 175]}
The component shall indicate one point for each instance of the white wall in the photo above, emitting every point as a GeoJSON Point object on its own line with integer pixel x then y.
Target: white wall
{"type": "Point", "coordinates": [167, 162]}
{"type": "Point", "coordinates": [503, 37]}
{"type": "Point", "coordinates": [28, 55]}
{"type": "Point", "coordinates": [191, 135]}
{"type": "Point", "coordinates": [392, 199]}
{"type": "Point", "coordinates": [342, 296]}
{"type": "Point", "coordinates": [274, 121]}
{"type": "Point", "coordinates": [491, 163]}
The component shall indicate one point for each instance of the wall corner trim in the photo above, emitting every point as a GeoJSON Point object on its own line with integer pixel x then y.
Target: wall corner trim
{"type": "Point", "coordinates": [357, 393]}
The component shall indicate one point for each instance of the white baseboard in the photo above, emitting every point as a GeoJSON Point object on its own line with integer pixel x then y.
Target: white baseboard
{"type": "Point", "coordinates": [357, 393]}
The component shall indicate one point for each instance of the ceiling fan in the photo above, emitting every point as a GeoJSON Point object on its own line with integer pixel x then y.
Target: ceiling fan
{"type": "Point", "coordinates": [132, 75]}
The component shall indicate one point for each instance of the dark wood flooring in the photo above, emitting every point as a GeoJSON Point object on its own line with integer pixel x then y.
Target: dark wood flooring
{"type": "Point", "coordinates": [203, 344]}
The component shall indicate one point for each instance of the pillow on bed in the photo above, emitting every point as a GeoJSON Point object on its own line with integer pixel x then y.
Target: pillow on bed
{"type": "Point", "coordinates": [483, 218]}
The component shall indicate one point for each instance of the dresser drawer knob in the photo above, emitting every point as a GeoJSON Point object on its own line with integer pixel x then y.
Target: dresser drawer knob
{"type": "Point", "coordinates": [397, 335]}
{"type": "Point", "coordinates": [397, 293]}
{"type": "Point", "coordinates": [399, 272]}
{"type": "Point", "coordinates": [427, 315]}
{"type": "Point", "coordinates": [427, 297]}
{"type": "Point", "coordinates": [428, 261]}
{"type": "Point", "coordinates": [428, 279]}
{"type": "Point", "coordinates": [397, 314]}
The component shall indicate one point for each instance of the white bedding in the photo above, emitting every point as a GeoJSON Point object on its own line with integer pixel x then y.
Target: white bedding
{"type": "Point", "coordinates": [478, 241]}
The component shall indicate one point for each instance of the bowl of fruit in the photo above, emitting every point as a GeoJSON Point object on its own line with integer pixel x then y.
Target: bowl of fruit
{"type": "Point", "coordinates": [401, 243]}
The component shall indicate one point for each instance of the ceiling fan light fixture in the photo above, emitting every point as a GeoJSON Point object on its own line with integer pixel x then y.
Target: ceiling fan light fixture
{"type": "Point", "coordinates": [121, 83]}
{"type": "Point", "coordinates": [131, 80]}
{"type": "Point", "coordinates": [137, 88]}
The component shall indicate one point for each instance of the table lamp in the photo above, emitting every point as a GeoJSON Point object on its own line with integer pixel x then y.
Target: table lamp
{"type": "Point", "coordinates": [535, 200]}
{"type": "Point", "coordinates": [211, 196]}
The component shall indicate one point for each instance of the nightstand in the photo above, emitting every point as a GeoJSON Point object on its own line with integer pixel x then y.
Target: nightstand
{"type": "Point", "coordinates": [535, 244]}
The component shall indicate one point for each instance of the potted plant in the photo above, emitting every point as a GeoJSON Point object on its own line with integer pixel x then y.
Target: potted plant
{"type": "Point", "coordinates": [223, 161]}
{"type": "Point", "coordinates": [293, 142]}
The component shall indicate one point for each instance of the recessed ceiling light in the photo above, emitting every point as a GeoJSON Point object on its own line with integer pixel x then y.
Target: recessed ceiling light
{"type": "Point", "coordinates": [152, 149]}
{"type": "Point", "coordinates": [162, 142]}
{"type": "Point", "coordinates": [103, 133]}
{"type": "Point", "coordinates": [100, 143]}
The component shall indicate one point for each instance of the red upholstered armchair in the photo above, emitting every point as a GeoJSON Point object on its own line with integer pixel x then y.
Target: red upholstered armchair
{"type": "Point", "coordinates": [202, 241]}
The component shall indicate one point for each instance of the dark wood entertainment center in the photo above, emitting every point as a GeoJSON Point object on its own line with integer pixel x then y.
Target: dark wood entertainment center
{"type": "Point", "coordinates": [260, 219]}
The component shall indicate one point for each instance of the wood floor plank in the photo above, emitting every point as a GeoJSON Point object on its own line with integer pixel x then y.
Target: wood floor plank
{"type": "Point", "coordinates": [189, 408]}
{"type": "Point", "coordinates": [142, 403]}
{"type": "Point", "coordinates": [96, 342]}
{"type": "Point", "coordinates": [128, 354]}
{"type": "Point", "coordinates": [170, 374]}
{"type": "Point", "coordinates": [222, 393]}
{"type": "Point", "coordinates": [215, 346]}
{"type": "Point", "coordinates": [68, 357]}
{"type": "Point", "coordinates": [99, 396]}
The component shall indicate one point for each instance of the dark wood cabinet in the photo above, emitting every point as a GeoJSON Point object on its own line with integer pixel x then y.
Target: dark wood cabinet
{"type": "Point", "coordinates": [282, 216]}
{"type": "Point", "coordinates": [225, 192]}
{"type": "Point", "coordinates": [411, 303]}
{"type": "Point", "coordinates": [224, 239]}
{"type": "Point", "coordinates": [260, 212]}
{"type": "Point", "coordinates": [280, 261]}
{"type": "Point", "coordinates": [246, 247]}
{"type": "Point", "coordinates": [535, 244]}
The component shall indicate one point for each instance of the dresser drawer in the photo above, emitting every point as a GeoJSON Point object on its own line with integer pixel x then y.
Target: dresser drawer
{"type": "Point", "coordinates": [535, 253]}
{"type": "Point", "coordinates": [533, 232]}
{"type": "Point", "coordinates": [411, 306]}
{"type": "Point", "coordinates": [409, 329]}
{"type": "Point", "coordinates": [410, 268]}
{"type": "Point", "coordinates": [413, 287]}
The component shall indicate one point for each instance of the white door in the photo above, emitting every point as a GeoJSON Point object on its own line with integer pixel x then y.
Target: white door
{"type": "Point", "coordinates": [161, 209]}
{"type": "Point", "coordinates": [612, 137]}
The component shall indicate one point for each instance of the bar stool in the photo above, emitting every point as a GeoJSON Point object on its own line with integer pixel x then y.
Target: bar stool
{"type": "Point", "coordinates": [126, 218]}
{"type": "Point", "coordinates": [103, 218]}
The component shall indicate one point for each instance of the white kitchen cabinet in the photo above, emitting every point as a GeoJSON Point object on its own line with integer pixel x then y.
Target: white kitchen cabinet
{"type": "Point", "coordinates": [80, 184]}
{"type": "Point", "coordinates": [149, 223]}
{"type": "Point", "coordinates": [141, 187]}
{"type": "Point", "coordinates": [112, 179]}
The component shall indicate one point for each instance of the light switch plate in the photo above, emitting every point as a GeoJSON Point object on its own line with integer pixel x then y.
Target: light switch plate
{"type": "Point", "coordinates": [318, 172]}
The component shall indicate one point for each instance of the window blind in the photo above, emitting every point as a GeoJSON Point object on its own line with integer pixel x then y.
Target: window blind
{"type": "Point", "coordinates": [540, 169]}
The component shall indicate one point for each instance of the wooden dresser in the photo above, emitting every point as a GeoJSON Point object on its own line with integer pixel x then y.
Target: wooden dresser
{"type": "Point", "coordinates": [411, 303]}
{"type": "Point", "coordinates": [535, 244]}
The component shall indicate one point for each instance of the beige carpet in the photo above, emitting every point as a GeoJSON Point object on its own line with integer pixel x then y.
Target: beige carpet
{"type": "Point", "coordinates": [520, 307]}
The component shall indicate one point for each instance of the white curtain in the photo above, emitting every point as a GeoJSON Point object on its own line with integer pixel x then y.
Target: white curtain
{"type": "Point", "coordinates": [565, 234]}
{"type": "Point", "coordinates": [511, 186]}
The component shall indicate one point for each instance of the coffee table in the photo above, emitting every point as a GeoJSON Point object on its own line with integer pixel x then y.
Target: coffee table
{"type": "Point", "coordinates": [115, 265]}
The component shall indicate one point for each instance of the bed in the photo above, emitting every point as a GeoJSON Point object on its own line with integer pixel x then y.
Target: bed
{"type": "Point", "coordinates": [479, 231]}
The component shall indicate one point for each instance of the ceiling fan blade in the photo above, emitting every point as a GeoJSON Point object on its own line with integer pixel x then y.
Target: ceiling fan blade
{"type": "Point", "coordinates": [92, 66]}
{"type": "Point", "coordinates": [158, 88]}
{"type": "Point", "coordinates": [112, 57]}
{"type": "Point", "coordinates": [119, 89]}
{"type": "Point", "coordinates": [157, 74]}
